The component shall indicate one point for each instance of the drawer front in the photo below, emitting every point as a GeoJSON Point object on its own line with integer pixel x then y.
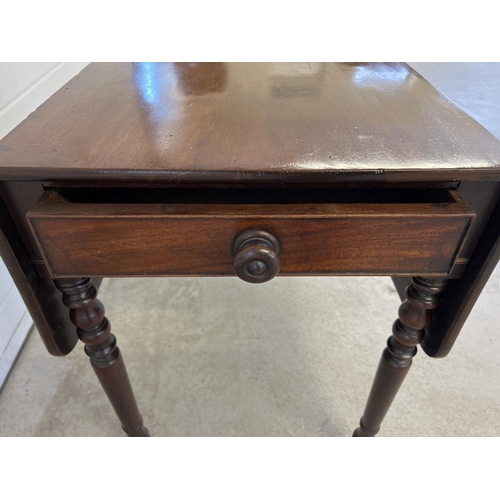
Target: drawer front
{"type": "Point", "coordinates": [174, 239]}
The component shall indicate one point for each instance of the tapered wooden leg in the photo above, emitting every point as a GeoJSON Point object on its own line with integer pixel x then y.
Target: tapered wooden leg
{"type": "Point", "coordinates": [94, 330]}
{"type": "Point", "coordinates": [415, 314]}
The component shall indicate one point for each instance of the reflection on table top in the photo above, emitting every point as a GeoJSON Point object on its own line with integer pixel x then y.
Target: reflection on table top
{"type": "Point", "coordinates": [249, 121]}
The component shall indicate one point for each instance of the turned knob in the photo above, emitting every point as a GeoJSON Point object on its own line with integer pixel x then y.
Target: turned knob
{"type": "Point", "coordinates": [256, 258]}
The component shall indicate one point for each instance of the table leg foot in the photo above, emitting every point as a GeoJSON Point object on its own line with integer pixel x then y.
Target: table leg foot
{"type": "Point", "coordinates": [415, 314]}
{"type": "Point", "coordinates": [94, 330]}
{"type": "Point", "coordinates": [139, 431]}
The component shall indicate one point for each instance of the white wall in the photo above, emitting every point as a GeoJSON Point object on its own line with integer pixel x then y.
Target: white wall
{"type": "Point", "coordinates": [23, 87]}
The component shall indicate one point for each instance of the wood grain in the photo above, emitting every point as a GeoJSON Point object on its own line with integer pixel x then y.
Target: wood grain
{"type": "Point", "coordinates": [249, 122]}
{"type": "Point", "coordinates": [127, 239]}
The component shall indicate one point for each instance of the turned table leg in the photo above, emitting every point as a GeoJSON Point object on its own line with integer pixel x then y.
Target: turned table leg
{"type": "Point", "coordinates": [415, 314]}
{"type": "Point", "coordinates": [94, 330]}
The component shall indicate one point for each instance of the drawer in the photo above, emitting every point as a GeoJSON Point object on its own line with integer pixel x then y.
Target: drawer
{"type": "Point", "coordinates": [198, 232]}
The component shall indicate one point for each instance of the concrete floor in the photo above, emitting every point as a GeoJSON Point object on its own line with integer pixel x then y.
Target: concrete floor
{"type": "Point", "coordinates": [293, 357]}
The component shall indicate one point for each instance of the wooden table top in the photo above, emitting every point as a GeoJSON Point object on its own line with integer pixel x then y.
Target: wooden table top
{"type": "Point", "coordinates": [236, 122]}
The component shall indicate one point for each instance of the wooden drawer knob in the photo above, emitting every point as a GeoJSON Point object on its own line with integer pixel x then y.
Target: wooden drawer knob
{"type": "Point", "coordinates": [256, 257]}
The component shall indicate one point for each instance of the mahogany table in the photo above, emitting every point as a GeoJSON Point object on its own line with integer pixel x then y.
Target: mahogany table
{"type": "Point", "coordinates": [253, 170]}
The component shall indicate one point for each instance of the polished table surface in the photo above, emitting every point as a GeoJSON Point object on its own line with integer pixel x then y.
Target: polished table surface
{"type": "Point", "coordinates": [255, 122]}
{"type": "Point", "coordinates": [319, 143]}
